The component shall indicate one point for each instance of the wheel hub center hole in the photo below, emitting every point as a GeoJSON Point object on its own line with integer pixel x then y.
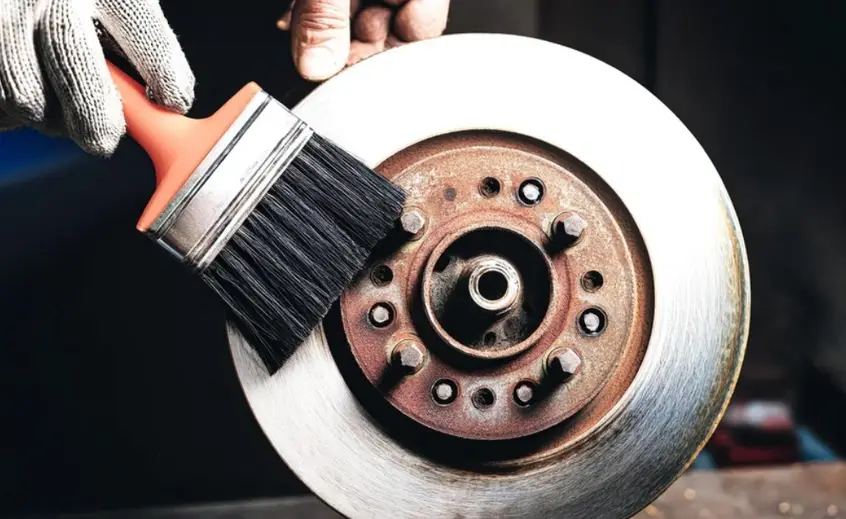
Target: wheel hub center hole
{"type": "Point", "coordinates": [490, 289]}
{"type": "Point", "coordinates": [493, 285]}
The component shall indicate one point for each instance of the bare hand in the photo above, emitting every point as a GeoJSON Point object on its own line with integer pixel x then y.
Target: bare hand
{"type": "Point", "coordinates": [328, 35]}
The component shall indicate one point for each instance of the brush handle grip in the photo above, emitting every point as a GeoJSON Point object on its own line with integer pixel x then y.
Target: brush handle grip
{"type": "Point", "coordinates": [159, 131]}
{"type": "Point", "coordinates": [175, 143]}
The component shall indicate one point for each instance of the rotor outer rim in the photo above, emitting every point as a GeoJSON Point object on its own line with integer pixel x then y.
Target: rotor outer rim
{"type": "Point", "coordinates": [690, 230]}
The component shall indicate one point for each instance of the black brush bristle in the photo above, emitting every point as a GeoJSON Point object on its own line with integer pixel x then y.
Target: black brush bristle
{"type": "Point", "coordinates": [301, 246]}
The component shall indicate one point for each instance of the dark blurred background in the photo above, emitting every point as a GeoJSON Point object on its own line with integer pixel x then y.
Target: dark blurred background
{"type": "Point", "coordinates": [93, 419]}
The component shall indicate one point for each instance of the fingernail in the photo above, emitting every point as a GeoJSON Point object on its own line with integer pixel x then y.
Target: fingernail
{"type": "Point", "coordinates": [318, 63]}
{"type": "Point", "coordinates": [284, 23]}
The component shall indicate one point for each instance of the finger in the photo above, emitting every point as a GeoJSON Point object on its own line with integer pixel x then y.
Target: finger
{"type": "Point", "coordinates": [321, 37]}
{"type": "Point", "coordinates": [107, 41]}
{"type": "Point", "coordinates": [142, 31]}
{"type": "Point", "coordinates": [360, 50]}
{"type": "Point", "coordinates": [373, 24]}
{"type": "Point", "coordinates": [284, 23]}
{"type": "Point", "coordinates": [76, 68]}
{"type": "Point", "coordinates": [392, 41]}
{"type": "Point", "coordinates": [22, 85]}
{"type": "Point", "coordinates": [421, 19]}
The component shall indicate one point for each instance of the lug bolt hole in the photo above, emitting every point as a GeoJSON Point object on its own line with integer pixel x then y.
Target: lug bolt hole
{"type": "Point", "coordinates": [592, 322]}
{"type": "Point", "coordinates": [444, 391]}
{"type": "Point", "coordinates": [483, 398]}
{"type": "Point", "coordinates": [489, 187]}
{"type": "Point", "coordinates": [530, 192]}
{"type": "Point", "coordinates": [381, 315]}
{"type": "Point", "coordinates": [592, 281]}
{"type": "Point", "coordinates": [382, 275]}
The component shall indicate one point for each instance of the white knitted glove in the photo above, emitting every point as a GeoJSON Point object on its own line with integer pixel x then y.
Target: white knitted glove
{"type": "Point", "coordinates": [53, 73]}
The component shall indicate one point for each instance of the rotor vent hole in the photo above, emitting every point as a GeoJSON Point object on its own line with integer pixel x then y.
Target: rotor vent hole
{"type": "Point", "coordinates": [493, 285]}
{"type": "Point", "coordinates": [490, 339]}
{"type": "Point", "coordinates": [382, 275]}
{"type": "Point", "coordinates": [483, 398]}
{"type": "Point", "coordinates": [490, 187]}
{"type": "Point", "coordinates": [592, 281]}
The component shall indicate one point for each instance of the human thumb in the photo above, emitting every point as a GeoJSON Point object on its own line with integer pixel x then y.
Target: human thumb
{"type": "Point", "coordinates": [321, 37]}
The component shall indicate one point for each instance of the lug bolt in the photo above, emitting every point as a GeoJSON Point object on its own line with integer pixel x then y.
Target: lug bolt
{"type": "Point", "coordinates": [530, 192]}
{"type": "Point", "coordinates": [381, 315]}
{"type": "Point", "coordinates": [563, 363]}
{"type": "Point", "coordinates": [568, 228]}
{"type": "Point", "coordinates": [408, 357]}
{"type": "Point", "coordinates": [592, 322]}
{"type": "Point", "coordinates": [445, 392]}
{"type": "Point", "coordinates": [524, 393]}
{"type": "Point", "coordinates": [413, 221]}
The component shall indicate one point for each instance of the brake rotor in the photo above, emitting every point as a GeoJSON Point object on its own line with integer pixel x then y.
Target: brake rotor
{"type": "Point", "coordinates": [560, 314]}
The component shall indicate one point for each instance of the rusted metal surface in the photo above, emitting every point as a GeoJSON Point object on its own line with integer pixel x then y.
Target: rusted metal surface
{"type": "Point", "coordinates": [514, 250]}
{"type": "Point", "coordinates": [470, 183]}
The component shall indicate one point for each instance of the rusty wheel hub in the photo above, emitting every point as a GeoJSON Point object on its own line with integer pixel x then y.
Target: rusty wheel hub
{"type": "Point", "coordinates": [514, 287]}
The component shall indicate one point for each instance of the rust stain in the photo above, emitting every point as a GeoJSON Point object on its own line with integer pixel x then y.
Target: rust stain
{"type": "Point", "coordinates": [443, 177]}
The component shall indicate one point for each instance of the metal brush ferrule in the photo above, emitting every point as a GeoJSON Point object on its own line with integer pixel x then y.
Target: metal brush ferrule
{"type": "Point", "coordinates": [232, 179]}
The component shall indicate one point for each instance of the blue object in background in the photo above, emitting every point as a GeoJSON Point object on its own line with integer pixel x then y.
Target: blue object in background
{"type": "Point", "coordinates": [26, 153]}
{"type": "Point", "coordinates": [704, 461]}
{"type": "Point", "coordinates": [812, 448]}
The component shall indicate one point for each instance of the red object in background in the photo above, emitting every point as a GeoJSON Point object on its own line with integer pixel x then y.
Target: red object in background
{"type": "Point", "coordinates": [755, 433]}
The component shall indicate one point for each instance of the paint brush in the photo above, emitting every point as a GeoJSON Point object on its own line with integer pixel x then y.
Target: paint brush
{"type": "Point", "coordinates": [275, 218]}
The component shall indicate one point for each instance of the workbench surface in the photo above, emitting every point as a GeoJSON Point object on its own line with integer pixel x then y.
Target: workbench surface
{"type": "Point", "coordinates": [812, 491]}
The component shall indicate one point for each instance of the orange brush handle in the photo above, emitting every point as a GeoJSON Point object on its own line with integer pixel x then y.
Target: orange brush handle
{"type": "Point", "coordinates": [176, 144]}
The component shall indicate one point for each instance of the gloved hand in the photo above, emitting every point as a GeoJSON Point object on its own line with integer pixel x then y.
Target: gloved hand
{"type": "Point", "coordinates": [53, 73]}
{"type": "Point", "coordinates": [330, 34]}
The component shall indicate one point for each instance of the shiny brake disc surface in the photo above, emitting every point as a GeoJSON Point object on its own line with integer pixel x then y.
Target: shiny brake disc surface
{"type": "Point", "coordinates": [618, 432]}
